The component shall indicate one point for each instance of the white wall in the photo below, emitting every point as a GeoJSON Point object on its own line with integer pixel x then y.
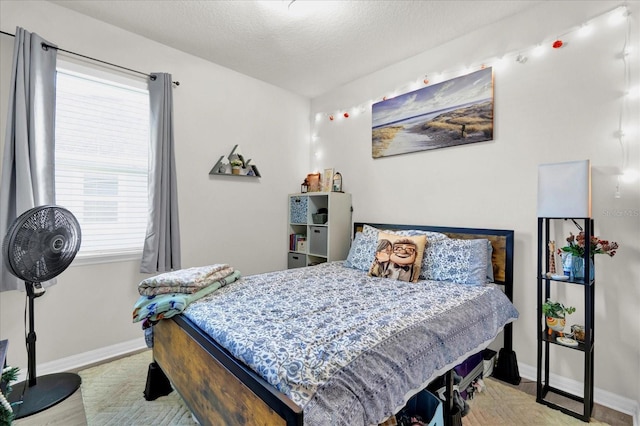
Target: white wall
{"type": "Point", "coordinates": [241, 221]}
{"type": "Point", "coordinates": [561, 106]}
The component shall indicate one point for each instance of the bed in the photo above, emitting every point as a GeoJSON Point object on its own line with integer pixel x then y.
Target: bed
{"type": "Point", "coordinates": [248, 369]}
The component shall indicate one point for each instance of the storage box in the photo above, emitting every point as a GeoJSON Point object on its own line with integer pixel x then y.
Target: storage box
{"type": "Point", "coordinates": [298, 208]}
{"type": "Point", "coordinates": [296, 260]}
{"type": "Point", "coordinates": [469, 364]}
{"type": "Point", "coordinates": [488, 361]}
{"type": "Point", "coordinates": [470, 369]}
{"type": "Point", "coordinates": [317, 239]}
{"type": "Point", "coordinates": [319, 218]}
{"type": "Point", "coordinates": [424, 404]}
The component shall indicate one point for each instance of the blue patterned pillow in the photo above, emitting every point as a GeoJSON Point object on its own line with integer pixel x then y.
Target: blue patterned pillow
{"type": "Point", "coordinates": [460, 261]}
{"type": "Point", "coordinates": [371, 232]}
{"type": "Point", "coordinates": [362, 252]}
{"type": "Point", "coordinates": [490, 277]}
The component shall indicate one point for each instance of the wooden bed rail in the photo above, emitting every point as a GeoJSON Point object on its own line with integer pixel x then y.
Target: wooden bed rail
{"type": "Point", "coordinates": [217, 388]}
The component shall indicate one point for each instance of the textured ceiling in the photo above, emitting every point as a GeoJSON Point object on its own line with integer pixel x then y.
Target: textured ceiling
{"type": "Point", "coordinates": [308, 47]}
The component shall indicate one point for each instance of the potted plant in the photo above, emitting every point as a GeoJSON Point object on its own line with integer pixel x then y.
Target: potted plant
{"type": "Point", "coordinates": [555, 313]}
{"type": "Point", "coordinates": [576, 249]}
{"type": "Point", "coordinates": [9, 374]}
{"type": "Point", "coordinates": [235, 166]}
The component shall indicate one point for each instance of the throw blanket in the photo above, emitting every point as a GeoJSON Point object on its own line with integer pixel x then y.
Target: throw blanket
{"type": "Point", "coordinates": [155, 308]}
{"type": "Point", "coordinates": [188, 280]}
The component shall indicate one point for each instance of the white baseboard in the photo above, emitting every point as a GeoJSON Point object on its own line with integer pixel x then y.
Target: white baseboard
{"type": "Point", "coordinates": [75, 362]}
{"type": "Point", "coordinates": [602, 397]}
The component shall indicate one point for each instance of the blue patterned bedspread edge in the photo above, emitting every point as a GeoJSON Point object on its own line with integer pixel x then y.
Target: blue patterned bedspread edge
{"type": "Point", "coordinates": [348, 348]}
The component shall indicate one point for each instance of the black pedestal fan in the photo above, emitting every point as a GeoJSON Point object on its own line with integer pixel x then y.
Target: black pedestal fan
{"type": "Point", "coordinates": [39, 245]}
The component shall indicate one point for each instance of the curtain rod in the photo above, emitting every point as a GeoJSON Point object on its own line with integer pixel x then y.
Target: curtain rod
{"type": "Point", "coordinates": [47, 46]}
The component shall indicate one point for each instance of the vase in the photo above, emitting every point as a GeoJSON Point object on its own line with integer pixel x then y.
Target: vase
{"type": "Point", "coordinates": [556, 324]}
{"type": "Point", "coordinates": [577, 268]}
{"type": "Point", "coordinates": [235, 170]}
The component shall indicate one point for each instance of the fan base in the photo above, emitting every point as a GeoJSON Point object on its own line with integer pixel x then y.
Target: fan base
{"type": "Point", "coordinates": [48, 391]}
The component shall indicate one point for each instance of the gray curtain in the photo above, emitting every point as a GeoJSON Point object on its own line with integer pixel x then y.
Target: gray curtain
{"type": "Point", "coordinates": [28, 163]}
{"type": "Point", "coordinates": [162, 244]}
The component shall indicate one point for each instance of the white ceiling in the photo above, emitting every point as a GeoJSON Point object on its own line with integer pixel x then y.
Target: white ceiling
{"type": "Point", "coordinates": [308, 47]}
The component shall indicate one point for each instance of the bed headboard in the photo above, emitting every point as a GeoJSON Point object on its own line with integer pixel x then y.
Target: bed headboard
{"type": "Point", "coordinates": [501, 241]}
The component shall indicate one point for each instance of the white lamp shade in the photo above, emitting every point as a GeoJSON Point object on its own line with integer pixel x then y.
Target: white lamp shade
{"type": "Point", "coordinates": [564, 189]}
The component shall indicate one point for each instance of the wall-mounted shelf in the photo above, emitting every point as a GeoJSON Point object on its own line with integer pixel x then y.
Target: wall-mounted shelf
{"type": "Point", "coordinates": [223, 166]}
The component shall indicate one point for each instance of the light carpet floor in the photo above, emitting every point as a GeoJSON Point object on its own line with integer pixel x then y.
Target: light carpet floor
{"type": "Point", "coordinates": [113, 395]}
{"type": "Point", "coordinates": [501, 404]}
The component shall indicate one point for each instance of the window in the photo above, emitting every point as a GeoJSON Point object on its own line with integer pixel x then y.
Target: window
{"type": "Point", "coordinates": [102, 152]}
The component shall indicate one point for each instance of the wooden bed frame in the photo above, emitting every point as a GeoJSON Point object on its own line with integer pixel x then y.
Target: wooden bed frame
{"type": "Point", "coordinates": [220, 390]}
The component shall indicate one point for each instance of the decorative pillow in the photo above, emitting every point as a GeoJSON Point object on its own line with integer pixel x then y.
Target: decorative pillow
{"type": "Point", "coordinates": [460, 261]}
{"type": "Point", "coordinates": [371, 232]}
{"type": "Point", "coordinates": [490, 278]}
{"type": "Point", "coordinates": [362, 250]}
{"type": "Point", "coordinates": [398, 257]}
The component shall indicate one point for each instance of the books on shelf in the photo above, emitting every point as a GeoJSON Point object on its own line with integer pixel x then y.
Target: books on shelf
{"type": "Point", "coordinates": [298, 242]}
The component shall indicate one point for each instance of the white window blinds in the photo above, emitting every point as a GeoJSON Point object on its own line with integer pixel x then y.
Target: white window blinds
{"type": "Point", "coordinates": [102, 151]}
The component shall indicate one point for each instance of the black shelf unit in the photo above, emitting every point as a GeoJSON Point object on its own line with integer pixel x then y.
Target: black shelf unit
{"type": "Point", "coordinates": [544, 389]}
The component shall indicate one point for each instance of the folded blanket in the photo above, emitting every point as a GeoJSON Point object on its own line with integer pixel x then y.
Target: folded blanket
{"type": "Point", "coordinates": [185, 280]}
{"type": "Point", "coordinates": [157, 307]}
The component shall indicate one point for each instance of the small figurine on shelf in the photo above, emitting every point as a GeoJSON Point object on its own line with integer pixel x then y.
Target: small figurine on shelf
{"type": "Point", "coordinates": [552, 259]}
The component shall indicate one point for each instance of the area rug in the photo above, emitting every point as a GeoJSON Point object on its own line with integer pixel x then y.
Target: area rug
{"type": "Point", "coordinates": [501, 404]}
{"type": "Point", "coordinates": [113, 395]}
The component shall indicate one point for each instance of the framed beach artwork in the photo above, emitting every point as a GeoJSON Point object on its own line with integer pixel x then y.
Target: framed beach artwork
{"type": "Point", "coordinates": [454, 112]}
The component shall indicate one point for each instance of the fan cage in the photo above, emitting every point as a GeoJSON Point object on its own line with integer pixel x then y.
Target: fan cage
{"type": "Point", "coordinates": [41, 243]}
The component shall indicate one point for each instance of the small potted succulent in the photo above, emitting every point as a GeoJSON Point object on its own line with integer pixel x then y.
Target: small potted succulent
{"type": "Point", "coordinates": [555, 313]}
{"type": "Point", "coordinates": [235, 166]}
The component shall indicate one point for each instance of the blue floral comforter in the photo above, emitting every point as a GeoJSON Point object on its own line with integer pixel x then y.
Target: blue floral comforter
{"type": "Point", "coordinates": [348, 348]}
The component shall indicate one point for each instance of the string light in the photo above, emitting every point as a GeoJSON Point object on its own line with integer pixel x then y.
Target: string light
{"type": "Point", "coordinates": [626, 175]}
{"type": "Point", "coordinates": [498, 64]}
{"type": "Point", "coordinates": [538, 50]}
{"type": "Point", "coordinates": [585, 30]}
{"type": "Point", "coordinates": [616, 16]}
{"type": "Point", "coordinates": [629, 176]}
{"type": "Point", "coordinates": [415, 86]}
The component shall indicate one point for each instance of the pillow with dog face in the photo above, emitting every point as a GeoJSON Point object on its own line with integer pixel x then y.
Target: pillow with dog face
{"type": "Point", "coordinates": [398, 257]}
